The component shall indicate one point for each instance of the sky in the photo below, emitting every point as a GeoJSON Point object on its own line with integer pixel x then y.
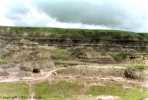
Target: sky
{"type": "Point", "coordinates": [131, 15]}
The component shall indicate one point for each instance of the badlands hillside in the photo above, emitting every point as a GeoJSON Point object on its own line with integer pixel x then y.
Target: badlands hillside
{"type": "Point", "coordinates": [72, 64]}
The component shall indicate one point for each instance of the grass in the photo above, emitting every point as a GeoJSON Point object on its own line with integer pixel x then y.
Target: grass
{"type": "Point", "coordinates": [105, 90]}
{"type": "Point", "coordinates": [115, 90]}
{"type": "Point", "coordinates": [75, 33]}
{"type": "Point", "coordinates": [9, 90]}
{"type": "Point", "coordinates": [64, 90]}
{"type": "Point", "coordinates": [135, 94]}
{"type": "Point", "coordinates": [58, 91]}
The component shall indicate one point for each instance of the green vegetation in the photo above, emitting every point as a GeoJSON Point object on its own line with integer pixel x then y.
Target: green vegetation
{"type": "Point", "coordinates": [9, 90]}
{"type": "Point", "coordinates": [2, 61]}
{"type": "Point", "coordinates": [67, 90]}
{"type": "Point", "coordinates": [58, 91]}
{"type": "Point", "coordinates": [121, 56]}
{"type": "Point", "coordinates": [106, 90]}
{"type": "Point", "coordinates": [116, 90]}
{"type": "Point", "coordinates": [76, 33]}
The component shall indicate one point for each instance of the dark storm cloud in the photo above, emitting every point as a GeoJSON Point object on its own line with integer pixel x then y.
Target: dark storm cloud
{"type": "Point", "coordinates": [84, 12]}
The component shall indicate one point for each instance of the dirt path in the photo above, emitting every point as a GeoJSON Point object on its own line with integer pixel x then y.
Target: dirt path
{"type": "Point", "coordinates": [34, 78]}
{"type": "Point", "coordinates": [45, 76]}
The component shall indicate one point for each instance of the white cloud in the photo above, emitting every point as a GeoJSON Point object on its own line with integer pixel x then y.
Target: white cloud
{"type": "Point", "coordinates": [3, 19]}
{"type": "Point", "coordinates": [35, 17]}
{"type": "Point", "coordinates": [75, 25]}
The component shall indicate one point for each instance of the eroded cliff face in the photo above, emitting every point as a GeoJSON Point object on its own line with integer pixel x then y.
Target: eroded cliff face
{"type": "Point", "coordinates": [24, 51]}
{"type": "Point", "coordinates": [22, 60]}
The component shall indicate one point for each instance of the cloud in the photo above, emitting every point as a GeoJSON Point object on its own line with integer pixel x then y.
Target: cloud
{"type": "Point", "coordinates": [3, 19]}
{"type": "Point", "coordinates": [129, 15]}
{"type": "Point", "coordinates": [124, 14]}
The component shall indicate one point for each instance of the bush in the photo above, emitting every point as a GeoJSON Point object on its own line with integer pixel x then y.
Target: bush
{"type": "Point", "coordinates": [130, 73]}
{"type": "Point", "coordinates": [2, 61]}
{"type": "Point", "coordinates": [133, 73]}
{"type": "Point", "coordinates": [119, 56]}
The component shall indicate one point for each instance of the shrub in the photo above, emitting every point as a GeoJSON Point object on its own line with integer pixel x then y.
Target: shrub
{"type": "Point", "coordinates": [130, 73]}
{"type": "Point", "coordinates": [119, 56]}
{"type": "Point", "coordinates": [133, 73]}
{"type": "Point", "coordinates": [2, 61]}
